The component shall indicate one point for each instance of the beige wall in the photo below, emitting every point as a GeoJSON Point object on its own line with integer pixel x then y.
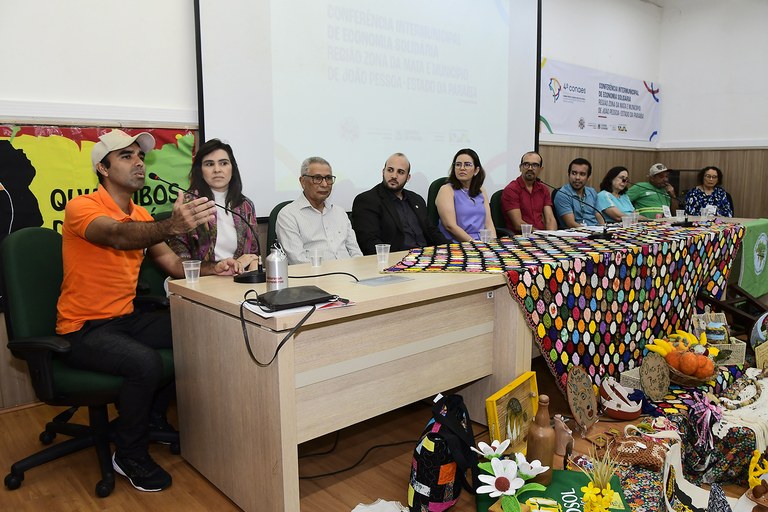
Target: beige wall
{"type": "Point", "coordinates": [15, 386]}
{"type": "Point", "coordinates": [745, 170]}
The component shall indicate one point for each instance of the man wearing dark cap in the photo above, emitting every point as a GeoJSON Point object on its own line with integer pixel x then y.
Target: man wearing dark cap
{"type": "Point", "coordinates": [104, 239]}
{"type": "Point", "coordinates": [656, 197]}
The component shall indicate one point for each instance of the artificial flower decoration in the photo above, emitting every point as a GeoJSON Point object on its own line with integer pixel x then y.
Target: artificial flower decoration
{"type": "Point", "coordinates": [528, 470]}
{"type": "Point", "coordinates": [597, 494]}
{"type": "Point", "coordinates": [496, 449]}
{"type": "Point", "coordinates": [595, 498]}
{"type": "Point", "coordinates": [504, 479]}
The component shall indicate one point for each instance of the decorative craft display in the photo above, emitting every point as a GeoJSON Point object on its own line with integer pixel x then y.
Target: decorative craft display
{"type": "Point", "coordinates": [757, 340]}
{"type": "Point", "coordinates": [595, 303]}
{"type": "Point", "coordinates": [565, 491]}
{"type": "Point", "coordinates": [654, 377]}
{"type": "Point", "coordinates": [563, 437]}
{"type": "Point", "coordinates": [680, 494]}
{"type": "Point", "coordinates": [511, 410]}
{"type": "Point", "coordinates": [714, 324]}
{"type": "Point", "coordinates": [581, 398]}
{"type": "Point", "coordinates": [616, 401]}
{"type": "Point", "coordinates": [745, 391]}
{"type": "Point", "coordinates": [759, 331]}
{"type": "Point", "coordinates": [759, 494]}
{"type": "Point", "coordinates": [703, 416]}
{"type": "Point", "coordinates": [732, 445]}
{"type": "Point", "coordinates": [713, 327]}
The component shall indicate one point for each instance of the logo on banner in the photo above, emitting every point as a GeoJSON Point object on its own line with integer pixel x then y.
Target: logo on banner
{"type": "Point", "coordinates": [555, 87]}
{"type": "Point", "coordinates": [652, 90]}
{"type": "Point", "coordinates": [582, 123]}
{"type": "Point", "coordinates": [761, 248]}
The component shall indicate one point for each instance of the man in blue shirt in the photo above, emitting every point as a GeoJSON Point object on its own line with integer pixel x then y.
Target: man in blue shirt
{"type": "Point", "coordinates": [575, 202]}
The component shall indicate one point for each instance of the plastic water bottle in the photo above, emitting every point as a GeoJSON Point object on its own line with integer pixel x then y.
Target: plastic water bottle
{"type": "Point", "coordinates": [277, 269]}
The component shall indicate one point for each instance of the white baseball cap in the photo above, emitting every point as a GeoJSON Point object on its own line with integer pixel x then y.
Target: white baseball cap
{"type": "Point", "coordinates": [118, 139]}
{"type": "Point", "coordinates": [657, 169]}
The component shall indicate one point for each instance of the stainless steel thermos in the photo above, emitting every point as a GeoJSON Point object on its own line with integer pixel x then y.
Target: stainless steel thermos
{"type": "Point", "coordinates": [277, 269]}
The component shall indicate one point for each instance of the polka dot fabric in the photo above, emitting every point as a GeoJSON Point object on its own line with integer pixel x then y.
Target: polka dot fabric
{"type": "Point", "coordinates": [599, 311]}
{"type": "Point", "coordinates": [595, 303]}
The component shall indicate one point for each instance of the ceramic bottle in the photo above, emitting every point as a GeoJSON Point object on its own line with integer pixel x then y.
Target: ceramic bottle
{"type": "Point", "coordinates": [541, 441]}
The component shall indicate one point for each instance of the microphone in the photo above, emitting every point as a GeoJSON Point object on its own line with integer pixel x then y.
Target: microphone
{"type": "Point", "coordinates": [605, 235]}
{"type": "Point", "coordinates": [252, 276]}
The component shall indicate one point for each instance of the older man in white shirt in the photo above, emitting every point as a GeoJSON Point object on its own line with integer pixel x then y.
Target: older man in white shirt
{"type": "Point", "coordinates": [312, 222]}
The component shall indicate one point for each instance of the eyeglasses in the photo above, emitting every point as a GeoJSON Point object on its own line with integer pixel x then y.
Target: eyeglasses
{"type": "Point", "coordinates": [459, 165]}
{"type": "Point", "coordinates": [318, 179]}
{"type": "Point", "coordinates": [710, 177]}
{"type": "Point", "coordinates": [530, 165]}
{"type": "Point", "coordinates": [623, 179]}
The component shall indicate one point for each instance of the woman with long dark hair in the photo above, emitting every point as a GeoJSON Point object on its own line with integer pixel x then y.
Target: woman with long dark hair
{"type": "Point", "coordinates": [215, 175]}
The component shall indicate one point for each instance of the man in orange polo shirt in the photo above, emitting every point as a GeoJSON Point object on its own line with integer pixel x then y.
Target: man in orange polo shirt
{"type": "Point", "coordinates": [105, 236]}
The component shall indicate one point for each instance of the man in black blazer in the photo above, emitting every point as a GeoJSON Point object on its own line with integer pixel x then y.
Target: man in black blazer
{"type": "Point", "coordinates": [389, 214]}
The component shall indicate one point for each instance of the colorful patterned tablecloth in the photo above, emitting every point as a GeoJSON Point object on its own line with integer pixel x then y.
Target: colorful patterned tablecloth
{"type": "Point", "coordinates": [595, 303]}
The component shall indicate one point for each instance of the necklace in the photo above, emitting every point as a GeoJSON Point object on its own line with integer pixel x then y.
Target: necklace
{"type": "Point", "coordinates": [732, 398]}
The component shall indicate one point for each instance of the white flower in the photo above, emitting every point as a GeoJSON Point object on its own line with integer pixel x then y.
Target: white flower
{"type": "Point", "coordinates": [503, 481]}
{"type": "Point", "coordinates": [496, 449]}
{"type": "Point", "coordinates": [527, 469]}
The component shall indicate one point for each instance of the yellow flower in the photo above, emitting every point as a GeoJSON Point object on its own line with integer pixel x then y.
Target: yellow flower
{"type": "Point", "coordinates": [596, 499]}
{"type": "Point", "coordinates": [590, 493]}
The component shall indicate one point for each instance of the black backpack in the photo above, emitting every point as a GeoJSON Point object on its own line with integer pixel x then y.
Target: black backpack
{"type": "Point", "coordinates": [442, 457]}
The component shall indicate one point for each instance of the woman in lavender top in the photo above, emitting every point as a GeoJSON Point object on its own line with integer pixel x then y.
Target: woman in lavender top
{"type": "Point", "coordinates": [462, 202]}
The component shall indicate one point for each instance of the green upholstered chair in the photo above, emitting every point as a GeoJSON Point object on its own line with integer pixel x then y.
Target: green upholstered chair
{"type": "Point", "coordinates": [497, 214]}
{"type": "Point", "coordinates": [434, 187]}
{"type": "Point", "coordinates": [271, 233]}
{"type": "Point", "coordinates": [31, 265]}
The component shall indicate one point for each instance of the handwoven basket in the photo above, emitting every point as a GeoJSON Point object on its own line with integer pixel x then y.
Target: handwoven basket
{"type": "Point", "coordinates": [738, 352]}
{"type": "Point", "coordinates": [687, 381]}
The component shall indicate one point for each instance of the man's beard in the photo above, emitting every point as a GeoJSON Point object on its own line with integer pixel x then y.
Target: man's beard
{"type": "Point", "coordinates": [396, 187]}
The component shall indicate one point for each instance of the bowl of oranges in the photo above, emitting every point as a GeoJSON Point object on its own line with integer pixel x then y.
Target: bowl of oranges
{"type": "Point", "coordinates": [689, 358]}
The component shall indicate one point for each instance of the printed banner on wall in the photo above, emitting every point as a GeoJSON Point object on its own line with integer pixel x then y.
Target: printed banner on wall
{"type": "Point", "coordinates": [754, 252]}
{"type": "Point", "coordinates": [589, 103]}
{"type": "Point", "coordinates": [43, 167]}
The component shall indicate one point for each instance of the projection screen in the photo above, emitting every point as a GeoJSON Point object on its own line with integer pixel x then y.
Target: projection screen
{"type": "Point", "coordinates": [354, 81]}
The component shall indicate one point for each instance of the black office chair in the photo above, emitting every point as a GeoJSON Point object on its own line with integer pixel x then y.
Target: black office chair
{"type": "Point", "coordinates": [560, 224]}
{"type": "Point", "coordinates": [432, 216]}
{"type": "Point", "coordinates": [730, 201]}
{"type": "Point", "coordinates": [498, 216]}
{"type": "Point", "coordinates": [271, 233]}
{"type": "Point", "coordinates": [31, 264]}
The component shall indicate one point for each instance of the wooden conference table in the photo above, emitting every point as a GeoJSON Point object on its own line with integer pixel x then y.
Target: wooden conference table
{"type": "Point", "coordinates": [405, 339]}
